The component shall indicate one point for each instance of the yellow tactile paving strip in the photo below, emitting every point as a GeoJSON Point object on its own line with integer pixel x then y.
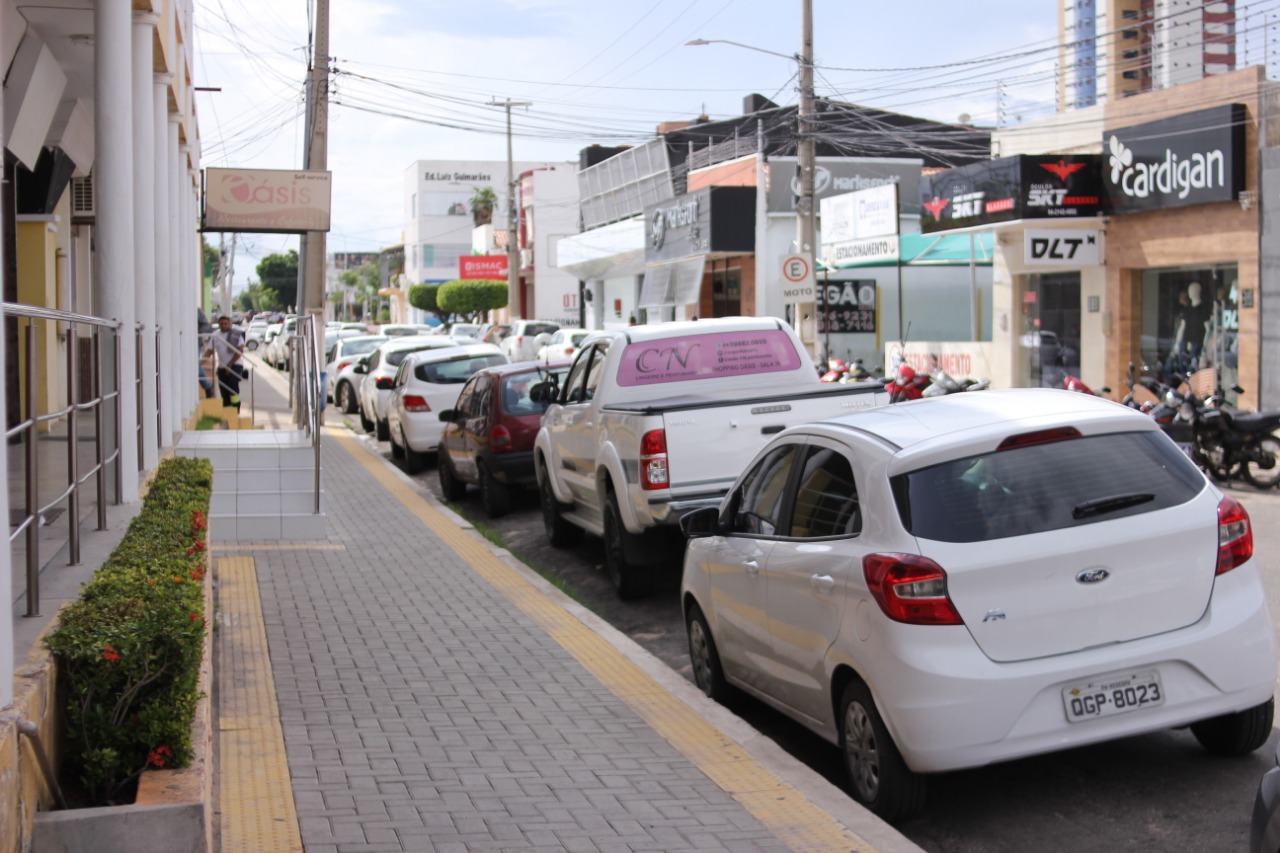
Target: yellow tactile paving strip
{"type": "Point", "coordinates": [297, 546]}
{"type": "Point", "coordinates": [255, 795]}
{"type": "Point", "coordinates": [795, 820]}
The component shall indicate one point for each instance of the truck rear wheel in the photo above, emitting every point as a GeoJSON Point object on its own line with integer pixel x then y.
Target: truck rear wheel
{"type": "Point", "coordinates": [627, 578]}
{"type": "Point", "coordinates": [560, 532]}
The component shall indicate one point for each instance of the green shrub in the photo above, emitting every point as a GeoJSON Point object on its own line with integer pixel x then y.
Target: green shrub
{"type": "Point", "coordinates": [471, 297]}
{"type": "Point", "coordinates": [129, 650]}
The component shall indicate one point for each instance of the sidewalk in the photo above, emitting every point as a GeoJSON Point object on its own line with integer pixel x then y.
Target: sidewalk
{"type": "Point", "coordinates": [405, 685]}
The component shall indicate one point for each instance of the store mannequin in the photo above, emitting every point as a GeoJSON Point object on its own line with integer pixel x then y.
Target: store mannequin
{"type": "Point", "coordinates": [1193, 325]}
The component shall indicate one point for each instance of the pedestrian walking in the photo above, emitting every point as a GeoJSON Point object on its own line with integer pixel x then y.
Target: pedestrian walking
{"type": "Point", "coordinates": [227, 344]}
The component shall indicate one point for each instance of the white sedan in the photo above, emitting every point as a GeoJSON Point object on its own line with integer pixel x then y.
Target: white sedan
{"type": "Point", "coordinates": [427, 383]}
{"type": "Point", "coordinates": [968, 579]}
{"type": "Point", "coordinates": [561, 344]}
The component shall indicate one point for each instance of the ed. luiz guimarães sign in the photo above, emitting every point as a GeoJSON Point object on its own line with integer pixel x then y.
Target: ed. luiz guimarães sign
{"type": "Point", "coordinates": [266, 200]}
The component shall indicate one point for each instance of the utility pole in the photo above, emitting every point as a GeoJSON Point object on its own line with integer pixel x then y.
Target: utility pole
{"type": "Point", "coordinates": [806, 163]}
{"type": "Point", "coordinates": [513, 248]}
{"type": "Point", "coordinates": [311, 298]}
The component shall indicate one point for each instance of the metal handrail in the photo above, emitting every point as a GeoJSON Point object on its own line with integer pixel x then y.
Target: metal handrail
{"type": "Point", "coordinates": [28, 429]}
{"type": "Point", "coordinates": [305, 387]}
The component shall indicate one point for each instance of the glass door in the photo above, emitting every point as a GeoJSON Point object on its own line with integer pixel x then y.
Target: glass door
{"type": "Point", "coordinates": [1049, 340]}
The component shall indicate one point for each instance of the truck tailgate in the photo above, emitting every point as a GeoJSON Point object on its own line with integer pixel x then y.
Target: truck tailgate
{"type": "Point", "coordinates": [709, 445]}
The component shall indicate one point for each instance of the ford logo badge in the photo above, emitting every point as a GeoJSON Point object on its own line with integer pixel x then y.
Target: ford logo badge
{"type": "Point", "coordinates": [1093, 576]}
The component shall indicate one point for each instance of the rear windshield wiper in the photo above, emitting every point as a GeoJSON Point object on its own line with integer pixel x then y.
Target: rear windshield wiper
{"type": "Point", "coordinates": [1099, 506]}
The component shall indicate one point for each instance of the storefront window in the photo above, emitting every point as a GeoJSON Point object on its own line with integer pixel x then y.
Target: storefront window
{"type": "Point", "coordinates": [1190, 323]}
{"type": "Point", "coordinates": [1049, 339]}
{"type": "Point", "coordinates": [726, 290]}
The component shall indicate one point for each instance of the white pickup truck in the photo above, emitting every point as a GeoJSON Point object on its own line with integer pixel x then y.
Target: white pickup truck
{"type": "Point", "coordinates": [655, 421]}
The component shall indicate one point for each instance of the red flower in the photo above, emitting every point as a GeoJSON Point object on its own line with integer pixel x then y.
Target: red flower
{"type": "Point", "coordinates": [195, 617]}
{"type": "Point", "coordinates": [158, 756]}
{"type": "Point", "coordinates": [177, 578]}
{"type": "Point", "coordinates": [109, 654]}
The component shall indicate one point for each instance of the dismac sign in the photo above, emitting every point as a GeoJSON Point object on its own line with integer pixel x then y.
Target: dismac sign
{"type": "Point", "coordinates": [485, 267]}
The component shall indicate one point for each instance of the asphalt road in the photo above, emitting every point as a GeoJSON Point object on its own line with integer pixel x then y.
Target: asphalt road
{"type": "Point", "coordinates": [1155, 792]}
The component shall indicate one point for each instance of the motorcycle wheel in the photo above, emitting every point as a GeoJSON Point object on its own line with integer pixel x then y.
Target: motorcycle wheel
{"type": "Point", "coordinates": [1255, 470]}
{"type": "Point", "coordinates": [1214, 460]}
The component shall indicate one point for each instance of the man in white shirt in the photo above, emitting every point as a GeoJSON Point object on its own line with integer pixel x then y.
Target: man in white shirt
{"type": "Point", "coordinates": [227, 344]}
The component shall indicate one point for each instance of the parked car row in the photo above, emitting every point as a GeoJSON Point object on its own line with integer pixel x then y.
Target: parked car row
{"type": "Point", "coordinates": [929, 586]}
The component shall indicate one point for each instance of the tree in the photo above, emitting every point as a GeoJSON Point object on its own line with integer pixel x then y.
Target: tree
{"type": "Point", "coordinates": [279, 274]}
{"type": "Point", "coordinates": [211, 259]}
{"type": "Point", "coordinates": [483, 201]}
{"type": "Point", "coordinates": [256, 298]}
{"type": "Point", "coordinates": [471, 297]}
{"type": "Point", "coordinates": [425, 297]}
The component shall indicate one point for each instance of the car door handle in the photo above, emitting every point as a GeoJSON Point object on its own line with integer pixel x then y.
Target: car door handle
{"type": "Point", "coordinates": [752, 566]}
{"type": "Point", "coordinates": [822, 582]}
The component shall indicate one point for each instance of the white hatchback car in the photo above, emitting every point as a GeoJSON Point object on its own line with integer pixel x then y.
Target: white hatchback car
{"type": "Point", "coordinates": [377, 376]}
{"type": "Point", "coordinates": [339, 372]}
{"type": "Point", "coordinates": [520, 343]}
{"type": "Point", "coordinates": [968, 579]}
{"type": "Point", "coordinates": [428, 383]}
{"type": "Point", "coordinates": [561, 344]}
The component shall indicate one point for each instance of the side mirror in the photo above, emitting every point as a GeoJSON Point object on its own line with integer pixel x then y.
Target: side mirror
{"type": "Point", "coordinates": [451, 416]}
{"type": "Point", "coordinates": [701, 523]}
{"type": "Point", "coordinates": [360, 367]}
{"type": "Point", "coordinates": [544, 393]}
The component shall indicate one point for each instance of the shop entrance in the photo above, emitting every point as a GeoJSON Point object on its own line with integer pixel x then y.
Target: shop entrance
{"type": "Point", "coordinates": [726, 290]}
{"type": "Point", "coordinates": [1049, 342]}
{"type": "Point", "coordinates": [1190, 323]}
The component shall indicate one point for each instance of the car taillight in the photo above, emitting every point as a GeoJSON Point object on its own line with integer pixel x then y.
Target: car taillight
{"type": "Point", "coordinates": [499, 439]}
{"type": "Point", "coordinates": [342, 365]}
{"type": "Point", "coordinates": [653, 460]}
{"type": "Point", "coordinates": [414, 403]}
{"type": "Point", "coordinates": [910, 589]}
{"type": "Point", "coordinates": [1235, 535]}
{"type": "Point", "coordinates": [568, 350]}
{"type": "Point", "coordinates": [385, 383]}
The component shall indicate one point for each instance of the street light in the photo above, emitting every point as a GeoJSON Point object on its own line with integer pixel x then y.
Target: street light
{"type": "Point", "coordinates": [806, 161]}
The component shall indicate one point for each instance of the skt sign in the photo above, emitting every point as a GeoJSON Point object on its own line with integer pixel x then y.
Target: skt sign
{"type": "Point", "coordinates": [1062, 247]}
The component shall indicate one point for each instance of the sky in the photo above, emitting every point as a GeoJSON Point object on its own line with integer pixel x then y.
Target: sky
{"type": "Point", "coordinates": [415, 80]}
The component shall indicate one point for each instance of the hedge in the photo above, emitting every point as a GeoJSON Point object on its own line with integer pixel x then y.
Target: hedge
{"type": "Point", "coordinates": [129, 650]}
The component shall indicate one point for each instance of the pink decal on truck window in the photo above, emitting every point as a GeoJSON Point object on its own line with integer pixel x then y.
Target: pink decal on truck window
{"type": "Point", "coordinates": [707, 356]}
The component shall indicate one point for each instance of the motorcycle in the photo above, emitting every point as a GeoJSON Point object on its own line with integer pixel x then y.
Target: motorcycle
{"type": "Point", "coordinates": [907, 384]}
{"type": "Point", "coordinates": [1223, 443]}
{"type": "Point", "coordinates": [942, 383]}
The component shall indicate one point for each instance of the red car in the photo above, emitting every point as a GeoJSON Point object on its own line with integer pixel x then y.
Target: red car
{"type": "Point", "coordinates": [488, 437]}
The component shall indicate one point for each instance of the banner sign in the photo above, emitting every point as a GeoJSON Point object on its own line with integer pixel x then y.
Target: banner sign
{"type": "Point", "coordinates": [712, 219]}
{"type": "Point", "coordinates": [847, 306]}
{"type": "Point", "coordinates": [1194, 158]}
{"type": "Point", "coordinates": [1062, 247]}
{"type": "Point", "coordinates": [266, 201]}
{"type": "Point", "coordinates": [483, 267]}
{"type": "Point", "coordinates": [856, 216]}
{"type": "Point", "coordinates": [870, 250]}
{"type": "Point", "coordinates": [1048, 186]}
{"type": "Point", "coordinates": [840, 175]}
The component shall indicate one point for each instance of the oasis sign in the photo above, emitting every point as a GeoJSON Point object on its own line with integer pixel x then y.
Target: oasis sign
{"type": "Point", "coordinates": [1194, 158]}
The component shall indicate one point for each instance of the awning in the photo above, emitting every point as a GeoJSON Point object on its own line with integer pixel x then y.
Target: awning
{"type": "Point", "coordinates": [613, 251]}
{"type": "Point", "coordinates": [676, 283]}
{"type": "Point", "coordinates": [935, 250]}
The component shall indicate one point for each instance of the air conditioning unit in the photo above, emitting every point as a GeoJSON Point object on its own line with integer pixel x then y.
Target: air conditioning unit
{"type": "Point", "coordinates": [82, 210]}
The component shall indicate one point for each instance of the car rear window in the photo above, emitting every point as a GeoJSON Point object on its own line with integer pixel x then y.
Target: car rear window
{"type": "Point", "coordinates": [362, 347]}
{"type": "Point", "coordinates": [707, 356]}
{"type": "Point", "coordinates": [456, 371]}
{"type": "Point", "coordinates": [535, 329]}
{"type": "Point", "coordinates": [1040, 487]}
{"type": "Point", "coordinates": [396, 356]}
{"type": "Point", "coordinates": [516, 387]}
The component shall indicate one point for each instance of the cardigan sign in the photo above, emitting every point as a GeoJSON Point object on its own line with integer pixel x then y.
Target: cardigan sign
{"type": "Point", "coordinates": [1193, 158]}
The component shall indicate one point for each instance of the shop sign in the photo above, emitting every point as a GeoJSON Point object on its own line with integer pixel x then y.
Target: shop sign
{"type": "Point", "coordinates": [870, 250]}
{"type": "Point", "coordinates": [266, 200]}
{"type": "Point", "coordinates": [857, 215]}
{"type": "Point", "coordinates": [839, 175]}
{"type": "Point", "coordinates": [1061, 247]}
{"type": "Point", "coordinates": [960, 359]}
{"type": "Point", "coordinates": [483, 267]}
{"type": "Point", "coordinates": [847, 306]}
{"type": "Point", "coordinates": [1048, 186]}
{"type": "Point", "coordinates": [714, 219]}
{"type": "Point", "coordinates": [1194, 158]}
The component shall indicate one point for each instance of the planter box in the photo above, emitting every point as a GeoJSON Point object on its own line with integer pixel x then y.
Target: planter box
{"type": "Point", "coordinates": [173, 811]}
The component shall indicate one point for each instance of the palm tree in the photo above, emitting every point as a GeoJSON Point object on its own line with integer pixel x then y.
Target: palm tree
{"type": "Point", "coordinates": [483, 201]}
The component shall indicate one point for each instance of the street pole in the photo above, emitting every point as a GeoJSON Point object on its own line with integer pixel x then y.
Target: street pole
{"type": "Point", "coordinates": [806, 163]}
{"type": "Point", "coordinates": [513, 248]}
{"type": "Point", "coordinates": [312, 296]}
